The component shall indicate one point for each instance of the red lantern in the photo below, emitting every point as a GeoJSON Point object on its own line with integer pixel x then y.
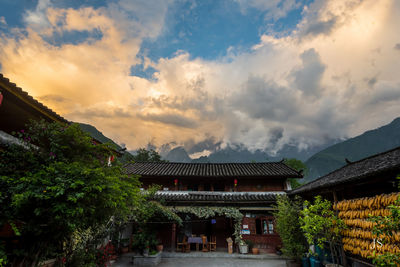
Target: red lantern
{"type": "Point", "coordinates": [235, 182]}
{"type": "Point", "coordinates": [176, 182]}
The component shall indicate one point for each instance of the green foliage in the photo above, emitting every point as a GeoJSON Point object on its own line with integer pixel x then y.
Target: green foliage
{"type": "Point", "coordinates": [60, 185]}
{"type": "Point", "coordinates": [208, 212]}
{"type": "Point", "coordinates": [3, 256]}
{"type": "Point", "coordinates": [384, 229]}
{"type": "Point", "coordinates": [144, 155]}
{"type": "Point", "coordinates": [298, 165]}
{"type": "Point", "coordinates": [146, 215]}
{"type": "Point", "coordinates": [153, 211]}
{"type": "Point", "coordinates": [288, 226]}
{"type": "Point", "coordinates": [320, 224]}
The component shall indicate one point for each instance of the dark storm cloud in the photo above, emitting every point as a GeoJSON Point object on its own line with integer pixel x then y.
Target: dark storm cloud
{"type": "Point", "coordinates": [262, 99]}
{"type": "Point", "coordinates": [171, 119]}
{"type": "Point", "coordinates": [309, 76]}
{"type": "Point", "coordinates": [207, 144]}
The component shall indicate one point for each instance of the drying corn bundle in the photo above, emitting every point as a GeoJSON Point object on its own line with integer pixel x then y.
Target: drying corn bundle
{"type": "Point", "coordinates": [358, 238]}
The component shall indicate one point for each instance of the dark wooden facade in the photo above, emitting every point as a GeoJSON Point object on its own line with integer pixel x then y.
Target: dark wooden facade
{"type": "Point", "coordinates": [250, 187]}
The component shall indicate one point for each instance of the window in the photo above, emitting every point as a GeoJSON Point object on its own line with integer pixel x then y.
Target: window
{"type": "Point", "coordinates": [264, 226]}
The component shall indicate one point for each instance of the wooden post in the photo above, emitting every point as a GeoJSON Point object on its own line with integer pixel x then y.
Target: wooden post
{"type": "Point", "coordinates": [173, 237]}
{"type": "Point", "coordinates": [335, 200]}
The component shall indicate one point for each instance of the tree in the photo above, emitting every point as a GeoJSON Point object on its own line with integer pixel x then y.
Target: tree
{"type": "Point", "coordinates": [298, 165]}
{"type": "Point", "coordinates": [320, 224]}
{"type": "Point", "coordinates": [144, 155]}
{"type": "Point", "coordinates": [57, 185]}
{"type": "Point", "coordinates": [288, 226]}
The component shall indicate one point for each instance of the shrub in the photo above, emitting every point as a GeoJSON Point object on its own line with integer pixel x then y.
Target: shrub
{"type": "Point", "coordinates": [288, 226]}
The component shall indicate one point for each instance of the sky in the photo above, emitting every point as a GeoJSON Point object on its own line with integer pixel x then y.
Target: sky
{"type": "Point", "coordinates": [208, 73]}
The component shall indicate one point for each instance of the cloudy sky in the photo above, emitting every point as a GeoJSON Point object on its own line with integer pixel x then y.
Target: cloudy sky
{"type": "Point", "coordinates": [258, 73]}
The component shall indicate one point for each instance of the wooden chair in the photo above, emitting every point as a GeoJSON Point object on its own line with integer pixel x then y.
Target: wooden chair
{"type": "Point", "coordinates": [184, 246]}
{"type": "Point", "coordinates": [213, 243]}
{"type": "Point", "coordinates": [205, 243]}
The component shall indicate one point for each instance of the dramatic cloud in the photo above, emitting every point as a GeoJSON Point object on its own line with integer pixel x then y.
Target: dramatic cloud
{"type": "Point", "coordinates": [334, 75]}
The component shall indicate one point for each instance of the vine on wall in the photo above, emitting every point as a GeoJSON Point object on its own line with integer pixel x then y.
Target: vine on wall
{"type": "Point", "coordinates": [208, 212]}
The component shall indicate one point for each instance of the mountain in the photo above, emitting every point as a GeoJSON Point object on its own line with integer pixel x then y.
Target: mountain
{"type": "Point", "coordinates": [96, 134]}
{"type": "Point", "coordinates": [178, 154]}
{"type": "Point", "coordinates": [353, 149]}
{"type": "Point", "coordinates": [242, 154]}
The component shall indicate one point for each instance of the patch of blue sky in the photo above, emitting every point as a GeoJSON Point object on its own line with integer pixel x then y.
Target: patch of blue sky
{"type": "Point", "coordinates": [13, 11]}
{"type": "Point", "coordinates": [81, 3]}
{"type": "Point", "coordinates": [73, 37]}
{"type": "Point", "coordinates": [287, 24]}
{"type": "Point", "coordinates": [205, 29]}
{"type": "Point", "coordinates": [139, 71]}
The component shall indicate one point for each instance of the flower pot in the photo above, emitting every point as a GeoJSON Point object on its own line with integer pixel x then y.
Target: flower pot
{"type": "Point", "coordinates": [315, 262]}
{"type": "Point", "coordinates": [255, 250]}
{"type": "Point", "coordinates": [146, 252]}
{"type": "Point", "coordinates": [305, 262]}
{"type": "Point", "coordinates": [244, 249]}
{"type": "Point", "coordinates": [159, 247]}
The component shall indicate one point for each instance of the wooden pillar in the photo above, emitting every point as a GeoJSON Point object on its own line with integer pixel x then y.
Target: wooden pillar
{"type": "Point", "coordinates": [335, 200]}
{"type": "Point", "coordinates": [173, 237]}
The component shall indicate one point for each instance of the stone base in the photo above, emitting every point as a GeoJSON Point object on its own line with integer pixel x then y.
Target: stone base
{"type": "Point", "coordinates": [151, 260]}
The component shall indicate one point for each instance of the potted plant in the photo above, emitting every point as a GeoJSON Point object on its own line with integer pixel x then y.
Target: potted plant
{"type": "Point", "coordinates": [243, 248]}
{"type": "Point", "coordinates": [288, 227]}
{"type": "Point", "coordinates": [251, 247]}
{"type": "Point", "coordinates": [159, 246]}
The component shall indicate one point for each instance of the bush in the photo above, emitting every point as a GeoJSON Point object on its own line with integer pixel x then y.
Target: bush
{"type": "Point", "coordinates": [288, 226]}
{"type": "Point", "coordinates": [320, 224]}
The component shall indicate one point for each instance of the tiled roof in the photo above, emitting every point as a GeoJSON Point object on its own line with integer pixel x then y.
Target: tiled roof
{"type": "Point", "coordinates": [14, 89]}
{"type": "Point", "coordinates": [375, 165]}
{"type": "Point", "coordinates": [206, 196]}
{"type": "Point", "coordinates": [266, 169]}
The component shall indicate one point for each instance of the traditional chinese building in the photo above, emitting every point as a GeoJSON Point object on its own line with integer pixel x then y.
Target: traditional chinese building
{"type": "Point", "coordinates": [17, 108]}
{"type": "Point", "coordinates": [360, 189]}
{"type": "Point", "coordinates": [250, 188]}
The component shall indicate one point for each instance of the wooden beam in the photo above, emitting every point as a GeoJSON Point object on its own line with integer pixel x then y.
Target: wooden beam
{"type": "Point", "coordinates": [173, 237]}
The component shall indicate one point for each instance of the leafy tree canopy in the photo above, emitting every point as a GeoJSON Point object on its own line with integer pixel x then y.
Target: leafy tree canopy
{"type": "Point", "coordinates": [144, 155]}
{"type": "Point", "coordinates": [59, 184]}
{"type": "Point", "coordinates": [298, 165]}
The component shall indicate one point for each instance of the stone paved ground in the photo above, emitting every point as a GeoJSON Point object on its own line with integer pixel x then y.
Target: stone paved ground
{"type": "Point", "coordinates": [216, 261]}
{"type": "Point", "coordinates": [220, 262]}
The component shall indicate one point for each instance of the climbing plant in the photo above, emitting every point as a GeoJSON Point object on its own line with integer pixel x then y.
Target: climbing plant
{"type": "Point", "coordinates": [208, 212]}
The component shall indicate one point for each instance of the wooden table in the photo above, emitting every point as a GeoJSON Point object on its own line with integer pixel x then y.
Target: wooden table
{"type": "Point", "coordinates": [195, 240]}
